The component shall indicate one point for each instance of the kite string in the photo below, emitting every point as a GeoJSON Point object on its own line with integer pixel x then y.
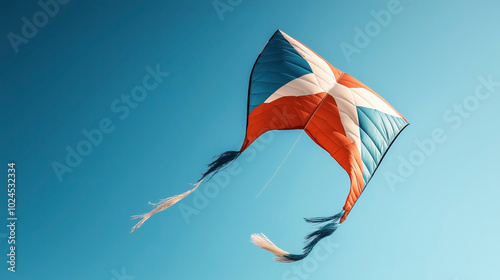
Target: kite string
{"type": "Point", "coordinates": [308, 121]}
{"type": "Point", "coordinates": [275, 172]}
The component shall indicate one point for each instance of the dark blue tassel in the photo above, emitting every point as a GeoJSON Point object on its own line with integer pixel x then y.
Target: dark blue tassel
{"type": "Point", "coordinates": [313, 238]}
{"type": "Point", "coordinates": [219, 162]}
{"type": "Point", "coordinates": [319, 220]}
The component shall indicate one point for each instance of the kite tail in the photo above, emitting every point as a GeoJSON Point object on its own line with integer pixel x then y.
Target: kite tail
{"type": "Point", "coordinates": [217, 164]}
{"type": "Point", "coordinates": [311, 240]}
{"type": "Point", "coordinates": [320, 220]}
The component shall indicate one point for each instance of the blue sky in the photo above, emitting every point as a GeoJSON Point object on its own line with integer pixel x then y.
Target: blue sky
{"type": "Point", "coordinates": [430, 212]}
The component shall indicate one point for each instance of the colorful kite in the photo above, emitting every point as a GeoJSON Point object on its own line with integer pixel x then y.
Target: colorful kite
{"type": "Point", "coordinates": [291, 87]}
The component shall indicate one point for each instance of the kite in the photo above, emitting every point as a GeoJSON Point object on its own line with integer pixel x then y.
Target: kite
{"type": "Point", "coordinates": [291, 87]}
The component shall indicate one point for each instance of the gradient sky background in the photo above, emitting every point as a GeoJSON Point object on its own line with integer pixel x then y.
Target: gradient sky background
{"type": "Point", "coordinates": [441, 223]}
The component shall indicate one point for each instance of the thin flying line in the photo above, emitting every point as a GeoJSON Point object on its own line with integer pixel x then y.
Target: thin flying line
{"type": "Point", "coordinates": [308, 121]}
{"type": "Point", "coordinates": [275, 172]}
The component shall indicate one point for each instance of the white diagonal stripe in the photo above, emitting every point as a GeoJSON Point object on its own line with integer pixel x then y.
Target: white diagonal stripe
{"type": "Point", "coordinates": [348, 99]}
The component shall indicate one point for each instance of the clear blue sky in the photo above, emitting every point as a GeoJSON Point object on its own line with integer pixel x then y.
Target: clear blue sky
{"type": "Point", "coordinates": [436, 220]}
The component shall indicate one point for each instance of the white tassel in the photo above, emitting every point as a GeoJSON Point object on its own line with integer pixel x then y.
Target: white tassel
{"type": "Point", "coordinates": [162, 205]}
{"type": "Point", "coordinates": [263, 242]}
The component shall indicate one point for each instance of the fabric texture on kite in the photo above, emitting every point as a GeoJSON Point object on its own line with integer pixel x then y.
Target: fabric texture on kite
{"type": "Point", "coordinates": [291, 87]}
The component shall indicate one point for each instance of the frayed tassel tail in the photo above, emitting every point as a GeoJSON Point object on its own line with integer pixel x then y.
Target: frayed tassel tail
{"type": "Point", "coordinates": [312, 239]}
{"type": "Point", "coordinates": [219, 162]}
{"type": "Point", "coordinates": [319, 220]}
{"type": "Point", "coordinates": [162, 205]}
{"type": "Point", "coordinates": [263, 242]}
{"type": "Point", "coordinates": [215, 166]}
